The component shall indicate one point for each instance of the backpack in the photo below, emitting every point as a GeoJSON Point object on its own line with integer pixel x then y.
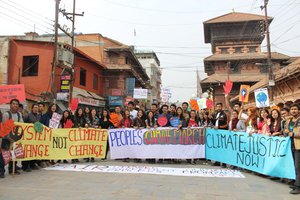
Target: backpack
{"type": "Point", "coordinates": [10, 115]}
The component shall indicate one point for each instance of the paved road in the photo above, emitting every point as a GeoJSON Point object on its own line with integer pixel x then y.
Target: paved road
{"type": "Point", "coordinates": [49, 185]}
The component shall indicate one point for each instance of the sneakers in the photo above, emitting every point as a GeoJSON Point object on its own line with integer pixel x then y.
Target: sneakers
{"type": "Point", "coordinates": [295, 191]}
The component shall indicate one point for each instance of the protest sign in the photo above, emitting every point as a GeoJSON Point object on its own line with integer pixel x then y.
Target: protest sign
{"type": "Point", "coordinates": [174, 121]}
{"type": "Point", "coordinates": [74, 104]}
{"type": "Point", "coordinates": [227, 87]}
{"type": "Point", "coordinates": [263, 154]}
{"type": "Point", "coordinates": [9, 92]}
{"type": "Point", "coordinates": [162, 121]}
{"type": "Point", "coordinates": [244, 93]}
{"type": "Point", "coordinates": [201, 103]}
{"type": "Point", "coordinates": [262, 98]}
{"type": "Point", "coordinates": [171, 171]}
{"type": "Point", "coordinates": [157, 143]}
{"type": "Point", "coordinates": [52, 144]}
{"type": "Point", "coordinates": [140, 93]}
{"type": "Point", "coordinates": [55, 120]}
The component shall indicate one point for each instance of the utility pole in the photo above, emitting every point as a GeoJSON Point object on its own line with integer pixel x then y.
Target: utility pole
{"type": "Point", "coordinates": [54, 60]}
{"type": "Point", "coordinates": [72, 36]}
{"type": "Point", "coordinates": [269, 58]}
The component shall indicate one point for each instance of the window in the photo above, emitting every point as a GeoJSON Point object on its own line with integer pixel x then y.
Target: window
{"type": "Point", "coordinates": [95, 82]}
{"type": "Point", "coordinates": [30, 65]}
{"type": "Point", "coordinates": [252, 49]}
{"type": "Point", "coordinates": [224, 50]}
{"type": "Point", "coordinates": [238, 50]}
{"type": "Point", "coordinates": [82, 77]}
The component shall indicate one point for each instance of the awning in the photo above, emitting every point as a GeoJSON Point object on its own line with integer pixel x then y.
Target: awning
{"type": "Point", "coordinates": [88, 98]}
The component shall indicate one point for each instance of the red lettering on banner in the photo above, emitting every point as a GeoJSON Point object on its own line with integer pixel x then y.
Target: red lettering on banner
{"type": "Point", "coordinates": [32, 151]}
{"type": "Point", "coordinates": [31, 134]}
{"type": "Point", "coordinates": [86, 150]}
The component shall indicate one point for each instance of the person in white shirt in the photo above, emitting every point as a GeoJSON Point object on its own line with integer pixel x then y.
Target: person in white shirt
{"type": "Point", "coordinates": [133, 112]}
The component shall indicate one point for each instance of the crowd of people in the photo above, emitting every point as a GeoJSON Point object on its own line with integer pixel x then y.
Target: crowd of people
{"type": "Point", "coordinates": [280, 121]}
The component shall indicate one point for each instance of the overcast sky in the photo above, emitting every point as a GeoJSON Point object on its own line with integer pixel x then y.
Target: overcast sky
{"type": "Point", "coordinates": [171, 28]}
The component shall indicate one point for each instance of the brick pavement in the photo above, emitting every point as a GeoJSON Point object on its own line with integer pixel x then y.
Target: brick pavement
{"type": "Point", "coordinates": [46, 185]}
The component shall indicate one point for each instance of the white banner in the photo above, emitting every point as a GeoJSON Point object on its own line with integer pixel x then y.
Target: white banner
{"type": "Point", "coordinates": [157, 143]}
{"type": "Point", "coordinates": [199, 172]}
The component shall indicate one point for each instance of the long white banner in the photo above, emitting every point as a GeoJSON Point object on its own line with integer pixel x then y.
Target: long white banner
{"type": "Point", "coordinates": [157, 143]}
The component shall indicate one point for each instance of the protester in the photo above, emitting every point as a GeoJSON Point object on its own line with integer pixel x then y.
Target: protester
{"type": "Point", "coordinates": [275, 123]}
{"type": "Point", "coordinates": [87, 112]}
{"type": "Point", "coordinates": [105, 123]}
{"type": "Point", "coordinates": [236, 123]}
{"type": "Point", "coordinates": [32, 117]}
{"type": "Point", "coordinates": [93, 122]}
{"type": "Point", "coordinates": [139, 121]}
{"type": "Point", "coordinates": [66, 122]}
{"type": "Point", "coordinates": [151, 121]}
{"type": "Point", "coordinates": [262, 122]}
{"type": "Point", "coordinates": [172, 110]}
{"type": "Point", "coordinates": [79, 119]}
{"type": "Point", "coordinates": [133, 112]}
{"type": "Point", "coordinates": [154, 109]}
{"type": "Point", "coordinates": [284, 112]}
{"type": "Point", "coordinates": [251, 122]}
{"type": "Point", "coordinates": [119, 114]}
{"type": "Point", "coordinates": [179, 115]}
{"type": "Point", "coordinates": [164, 110]}
{"type": "Point", "coordinates": [193, 120]}
{"type": "Point", "coordinates": [16, 116]}
{"type": "Point", "coordinates": [41, 109]}
{"type": "Point", "coordinates": [220, 118]}
{"type": "Point", "coordinates": [185, 113]}
{"type": "Point", "coordinates": [45, 119]}
{"type": "Point", "coordinates": [293, 130]}
{"type": "Point", "coordinates": [126, 122]}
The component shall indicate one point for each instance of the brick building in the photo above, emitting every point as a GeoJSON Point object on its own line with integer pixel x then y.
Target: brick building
{"type": "Point", "coordinates": [236, 46]}
{"type": "Point", "coordinates": [121, 66]}
{"type": "Point", "coordinates": [287, 81]}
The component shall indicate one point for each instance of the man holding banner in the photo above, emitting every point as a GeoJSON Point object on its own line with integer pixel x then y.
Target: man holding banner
{"type": "Point", "coordinates": [293, 130]}
{"type": "Point", "coordinates": [16, 116]}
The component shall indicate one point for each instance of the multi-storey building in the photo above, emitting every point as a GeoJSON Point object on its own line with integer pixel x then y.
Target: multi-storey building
{"type": "Point", "coordinates": [236, 40]}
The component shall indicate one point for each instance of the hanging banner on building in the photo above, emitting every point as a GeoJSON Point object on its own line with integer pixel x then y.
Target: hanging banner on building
{"type": "Point", "coordinates": [263, 154]}
{"type": "Point", "coordinates": [130, 84]}
{"type": "Point", "coordinates": [57, 144]}
{"type": "Point", "coordinates": [244, 93]}
{"type": "Point", "coordinates": [157, 143]}
{"type": "Point", "coordinates": [115, 100]}
{"type": "Point", "coordinates": [140, 93]}
{"type": "Point", "coordinates": [262, 98]}
{"type": "Point", "coordinates": [9, 92]}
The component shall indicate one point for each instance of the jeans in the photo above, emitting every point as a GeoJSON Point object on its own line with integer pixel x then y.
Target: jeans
{"type": "Point", "coordinates": [2, 169]}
